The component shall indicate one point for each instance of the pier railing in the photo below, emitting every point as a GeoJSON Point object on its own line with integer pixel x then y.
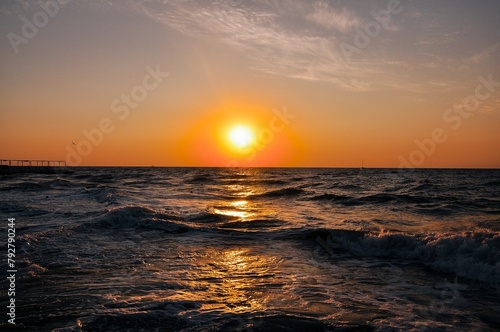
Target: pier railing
{"type": "Point", "coordinates": [10, 166]}
{"type": "Point", "coordinates": [32, 163]}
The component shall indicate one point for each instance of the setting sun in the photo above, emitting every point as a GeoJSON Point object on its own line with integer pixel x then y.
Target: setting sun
{"type": "Point", "coordinates": [233, 164]}
{"type": "Point", "coordinates": [241, 136]}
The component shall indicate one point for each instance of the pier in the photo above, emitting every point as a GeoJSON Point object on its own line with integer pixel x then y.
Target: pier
{"type": "Point", "coordinates": [11, 166]}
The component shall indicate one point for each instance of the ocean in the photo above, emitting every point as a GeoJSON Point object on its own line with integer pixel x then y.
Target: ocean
{"type": "Point", "coordinates": [253, 249]}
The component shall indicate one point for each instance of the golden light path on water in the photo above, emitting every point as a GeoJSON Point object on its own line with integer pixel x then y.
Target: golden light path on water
{"type": "Point", "coordinates": [238, 209]}
{"type": "Point", "coordinates": [235, 278]}
{"type": "Point", "coordinates": [239, 276]}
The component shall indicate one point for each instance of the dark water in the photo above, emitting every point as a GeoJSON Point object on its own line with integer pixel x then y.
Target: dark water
{"type": "Point", "coordinates": [199, 249]}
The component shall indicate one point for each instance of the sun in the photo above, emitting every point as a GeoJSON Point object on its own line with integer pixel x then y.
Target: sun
{"type": "Point", "coordinates": [241, 136]}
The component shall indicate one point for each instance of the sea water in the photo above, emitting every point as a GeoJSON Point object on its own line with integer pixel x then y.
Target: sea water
{"type": "Point", "coordinates": [205, 249]}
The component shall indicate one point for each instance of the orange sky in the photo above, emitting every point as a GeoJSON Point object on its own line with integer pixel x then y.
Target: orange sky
{"type": "Point", "coordinates": [162, 83]}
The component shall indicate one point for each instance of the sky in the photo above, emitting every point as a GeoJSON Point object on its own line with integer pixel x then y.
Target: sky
{"type": "Point", "coordinates": [389, 83]}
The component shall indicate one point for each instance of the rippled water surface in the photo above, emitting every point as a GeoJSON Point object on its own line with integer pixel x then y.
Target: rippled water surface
{"type": "Point", "coordinates": [202, 249]}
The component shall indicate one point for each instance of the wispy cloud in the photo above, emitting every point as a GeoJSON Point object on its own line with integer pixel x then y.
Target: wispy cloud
{"type": "Point", "coordinates": [259, 30]}
{"type": "Point", "coordinates": [490, 107]}
{"type": "Point", "coordinates": [339, 19]}
{"type": "Point", "coordinates": [484, 56]}
{"type": "Point", "coordinates": [297, 39]}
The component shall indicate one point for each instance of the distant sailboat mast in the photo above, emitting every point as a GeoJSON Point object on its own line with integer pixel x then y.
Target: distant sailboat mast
{"type": "Point", "coordinates": [362, 164]}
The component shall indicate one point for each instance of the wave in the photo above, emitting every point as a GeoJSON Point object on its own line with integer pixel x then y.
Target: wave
{"type": "Point", "coordinates": [164, 316]}
{"type": "Point", "coordinates": [298, 179]}
{"type": "Point", "coordinates": [424, 187]}
{"type": "Point", "coordinates": [200, 179]}
{"type": "Point", "coordinates": [104, 195]}
{"type": "Point", "coordinates": [103, 178]}
{"type": "Point", "coordinates": [474, 256]}
{"type": "Point", "coordinates": [350, 187]}
{"type": "Point", "coordinates": [370, 199]}
{"type": "Point", "coordinates": [263, 182]}
{"type": "Point", "coordinates": [342, 199]}
{"type": "Point", "coordinates": [23, 210]}
{"type": "Point", "coordinates": [255, 224]}
{"type": "Point", "coordinates": [493, 183]}
{"type": "Point", "coordinates": [26, 186]}
{"type": "Point", "coordinates": [284, 192]}
{"type": "Point", "coordinates": [381, 198]}
{"type": "Point", "coordinates": [12, 208]}
{"type": "Point", "coordinates": [210, 217]}
{"type": "Point", "coordinates": [436, 209]}
{"type": "Point", "coordinates": [138, 218]}
{"type": "Point", "coordinates": [58, 183]}
{"type": "Point", "coordinates": [270, 182]}
{"type": "Point", "coordinates": [167, 316]}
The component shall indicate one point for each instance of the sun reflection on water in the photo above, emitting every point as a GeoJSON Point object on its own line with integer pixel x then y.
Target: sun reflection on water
{"type": "Point", "coordinates": [233, 280]}
{"type": "Point", "coordinates": [237, 209]}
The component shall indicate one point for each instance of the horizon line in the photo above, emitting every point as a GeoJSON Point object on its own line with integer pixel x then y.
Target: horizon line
{"type": "Point", "coordinates": [317, 167]}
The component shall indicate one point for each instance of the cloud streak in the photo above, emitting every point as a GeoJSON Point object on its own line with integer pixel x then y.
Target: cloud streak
{"type": "Point", "coordinates": [301, 39]}
{"type": "Point", "coordinates": [338, 19]}
{"type": "Point", "coordinates": [257, 30]}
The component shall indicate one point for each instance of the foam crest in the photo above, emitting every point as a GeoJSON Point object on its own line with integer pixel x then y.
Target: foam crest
{"type": "Point", "coordinates": [475, 256]}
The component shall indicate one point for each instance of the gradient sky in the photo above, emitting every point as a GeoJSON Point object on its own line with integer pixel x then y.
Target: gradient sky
{"type": "Point", "coordinates": [410, 89]}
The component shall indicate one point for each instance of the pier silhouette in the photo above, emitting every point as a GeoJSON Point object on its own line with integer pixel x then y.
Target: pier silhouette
{"type": "Point", "coordinates": [12, 166]}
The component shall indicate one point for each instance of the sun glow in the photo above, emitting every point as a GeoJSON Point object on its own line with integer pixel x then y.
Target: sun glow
{"type": "Point", "coordinates": [250, 137]}
{"type": "Point", "coordinates": [241, 136]}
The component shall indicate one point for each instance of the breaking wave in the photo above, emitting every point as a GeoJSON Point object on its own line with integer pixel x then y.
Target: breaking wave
{"type": "Point", "coordinates": [474, 256]}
